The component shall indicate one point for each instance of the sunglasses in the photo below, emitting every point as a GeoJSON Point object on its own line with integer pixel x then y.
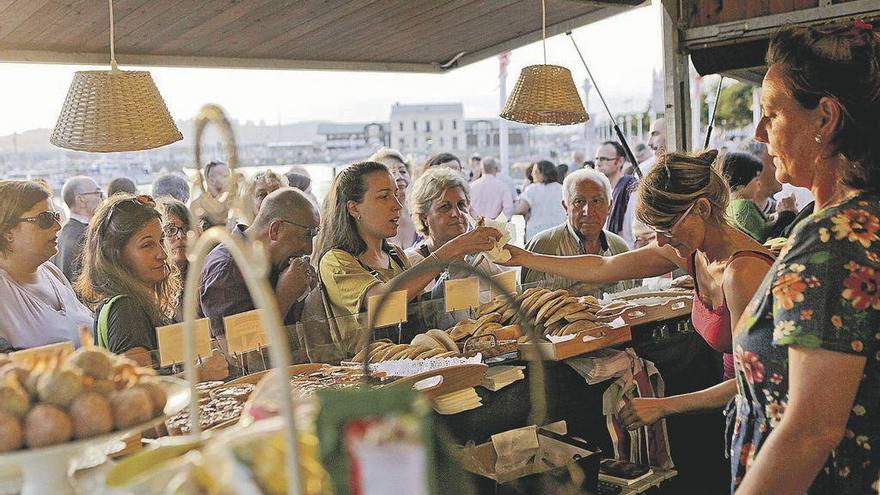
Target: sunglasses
{"type": "Point", "coordinates": [310, 231]}
{"type": "Point", "coordinates": [44, 219]}
{"type": "Point", "coordinates": [668, 232]}
{"type": "Point", "coordinates": [142, 199]}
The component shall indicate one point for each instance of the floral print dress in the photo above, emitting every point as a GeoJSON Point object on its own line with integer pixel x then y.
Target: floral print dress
{"type": "Point", "coordinates": [822, 292]}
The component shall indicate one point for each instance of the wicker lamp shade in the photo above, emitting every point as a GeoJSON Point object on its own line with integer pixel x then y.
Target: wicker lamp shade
{"type": "Point", "coordinates": [114, 110]}
{"type": "Point", "coordinates": [545, 94]}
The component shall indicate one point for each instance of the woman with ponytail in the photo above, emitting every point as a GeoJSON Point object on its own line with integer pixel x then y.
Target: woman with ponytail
{"type": "Point", "coordinates": [684, 200]}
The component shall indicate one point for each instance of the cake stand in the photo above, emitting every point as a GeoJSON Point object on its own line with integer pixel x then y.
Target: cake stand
{"type": "Point", "coordinates": [45, 470]}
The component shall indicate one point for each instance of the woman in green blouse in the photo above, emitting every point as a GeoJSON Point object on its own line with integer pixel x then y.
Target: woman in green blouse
{"type": "Point", "coordinates": [743, 172]}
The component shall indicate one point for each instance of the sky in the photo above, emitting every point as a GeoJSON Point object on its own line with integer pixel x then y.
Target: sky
{"type": "Point", "coordinates": [623, 51]}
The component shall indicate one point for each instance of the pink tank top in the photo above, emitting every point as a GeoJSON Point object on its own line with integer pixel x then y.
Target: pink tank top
{"type": "Point", "coordinates": [714, 325]}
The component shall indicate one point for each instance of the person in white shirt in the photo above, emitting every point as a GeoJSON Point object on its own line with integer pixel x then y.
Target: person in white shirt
{"type": "Point", "coordinates": [541, 201]}
{"type": "Point", "coordinates": [490, 196]}
{"type": "Point", "coordinates": [39, 305]}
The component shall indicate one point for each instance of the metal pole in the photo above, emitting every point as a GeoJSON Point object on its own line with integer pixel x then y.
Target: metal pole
{"type": "Point", "coordinates": [714, 111]}
{"type": "Point", "coordinates": [503, 151]}
{"type": "Point", "coordinates": [620, 136]}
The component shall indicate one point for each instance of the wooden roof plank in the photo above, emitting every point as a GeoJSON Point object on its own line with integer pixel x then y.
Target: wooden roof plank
{"type": "Point", "coordinates": [186, 21]}
{"type": "Point", "coordinates": [219, 28]}
{"type": "Point", "coordinates": [311, 19]}
{"type": "Point", "coordinates": [135, 29]}
{"type": "Point", "coordinates": [89, 27]}
{"type": "Point", "coordinates": [17, 19]}
{"type": "Point", "coordinates": [552, 30]}
{"type": "Point", "coordinates": [422, 29]}
{"type": "Point", "coordinates": [96, 58]}
{"type": "Point", "coordinates": [413, 10]}
{"type": "Point", "coordinates": [507, 27]}
{"type": "Point", "coordinates": [360, 34]}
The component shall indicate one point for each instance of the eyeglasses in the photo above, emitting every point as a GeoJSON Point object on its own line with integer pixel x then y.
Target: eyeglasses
{"type": "Point", "coordinates": [98, 192]}
{"type": "Point", "coordinates": [668, 232]}
{"type": "Point", "coordinates": [310, 231]}
{"type": "Point", "coordinates": [604, 159]}
{"type": "Point", "coordinates": [172, 230]}
{"type": "Point", "coordinates": [44, 220]}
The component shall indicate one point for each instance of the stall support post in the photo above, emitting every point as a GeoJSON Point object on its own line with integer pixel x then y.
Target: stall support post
{"type": "Point", "coordinates": [676, 80]}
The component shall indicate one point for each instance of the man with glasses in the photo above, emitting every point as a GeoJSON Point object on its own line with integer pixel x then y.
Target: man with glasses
{"type": "Point", "coordinates": [82, 196]}
{"type": "Point", "coordinates": [610, 159]}
{"type": "Point", "coordinates": [286, 225]}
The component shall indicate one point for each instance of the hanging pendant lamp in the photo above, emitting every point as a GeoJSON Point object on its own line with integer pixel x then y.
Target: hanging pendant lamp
{"type": "Point", "coordinates": [545, 94]}
{"type": "Point", "coordinates": [115, 110]}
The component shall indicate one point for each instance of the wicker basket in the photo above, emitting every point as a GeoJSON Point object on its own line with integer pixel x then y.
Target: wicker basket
{"type": "Point", "coordinates": [545, 94]}
{"type": "Point", "coordinates": [114, 110]}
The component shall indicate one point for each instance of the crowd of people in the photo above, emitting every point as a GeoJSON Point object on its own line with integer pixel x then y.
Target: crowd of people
{"type": "Point", "coordinates": [798, 331]}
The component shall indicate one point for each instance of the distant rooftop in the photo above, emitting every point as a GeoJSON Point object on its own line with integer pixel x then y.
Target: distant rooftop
{"type": "Point", "coordinates": [398, 108]}
{"type": "Point", "coordinates": [358, 127]}
{"type": "Point", "coordinates": [346, 128]}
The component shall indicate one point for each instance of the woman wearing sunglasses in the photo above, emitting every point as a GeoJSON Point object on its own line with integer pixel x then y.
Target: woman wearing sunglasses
{"type": "Point", "coordinates": [131, 282]}
{"type": "Point", "coordinates": [39, 305]}
{"type": "Point", "coordinates": [683, 199]}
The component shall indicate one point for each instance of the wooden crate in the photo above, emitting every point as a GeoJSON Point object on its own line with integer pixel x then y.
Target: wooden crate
{"type": "Point", "coordinates": [583, 343]}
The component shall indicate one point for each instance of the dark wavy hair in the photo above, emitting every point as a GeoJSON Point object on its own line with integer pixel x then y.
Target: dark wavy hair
{"type": "Point", "coordinates": [338, 227]}
{"type": "Point", "coordinates": [739, 168]}
{"type": "Point", "coordinates": [841, 62]}
{"type": "Point", "coordinates": [105, 272]}
{"type": "Point", "coordinates": [548, 170]}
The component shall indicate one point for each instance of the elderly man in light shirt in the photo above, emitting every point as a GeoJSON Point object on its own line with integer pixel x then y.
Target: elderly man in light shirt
{"type": "Point", "coordinates": [586, 199]}
{"type": "Point", "coordinates": [491, 196]}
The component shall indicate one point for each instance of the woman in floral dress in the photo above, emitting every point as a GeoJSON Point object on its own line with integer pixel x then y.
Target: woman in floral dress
{"type": "Point", "coordinates": [807, 350]}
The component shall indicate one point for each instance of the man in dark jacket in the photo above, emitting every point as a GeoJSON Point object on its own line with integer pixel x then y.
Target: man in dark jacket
{"type": "Point", "coordinates": [82, 196]}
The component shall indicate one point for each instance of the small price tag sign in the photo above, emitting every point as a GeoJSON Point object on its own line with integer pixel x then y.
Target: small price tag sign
{"type": "Point", "coordinates": [171, 346]}
{"type": "Point", "coordinates": [463, 293]}
{"type": "Point", "coordinates": [245, 332]}
{"type": "Point", "coordinates": [61, 349]}
{"type": "Point", "coordinates": [391, 313]}
{"type": "Point", "coordinates": [507, 281]}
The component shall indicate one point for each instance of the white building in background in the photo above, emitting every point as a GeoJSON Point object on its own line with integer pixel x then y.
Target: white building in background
{"type": "Point", "coordinates": [483, 137]}
{"type": "Point", "coordinates": [428, 128]}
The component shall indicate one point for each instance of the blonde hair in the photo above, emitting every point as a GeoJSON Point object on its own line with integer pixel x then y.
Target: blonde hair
{"type": "Point", "coordinates": [105, 272]}
{"type": "Point", "coordinates": [677, 181]}
{"type": "Point", "coordinates": [430, 186]}
{"type": "Point", "coordinates": [268, 176]}
{"type": "Point", "coordinates": [382, 155]}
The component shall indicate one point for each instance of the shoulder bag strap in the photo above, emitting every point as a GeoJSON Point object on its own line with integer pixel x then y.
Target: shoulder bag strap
{"type": "Point", "coordinates": [103, 317]}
